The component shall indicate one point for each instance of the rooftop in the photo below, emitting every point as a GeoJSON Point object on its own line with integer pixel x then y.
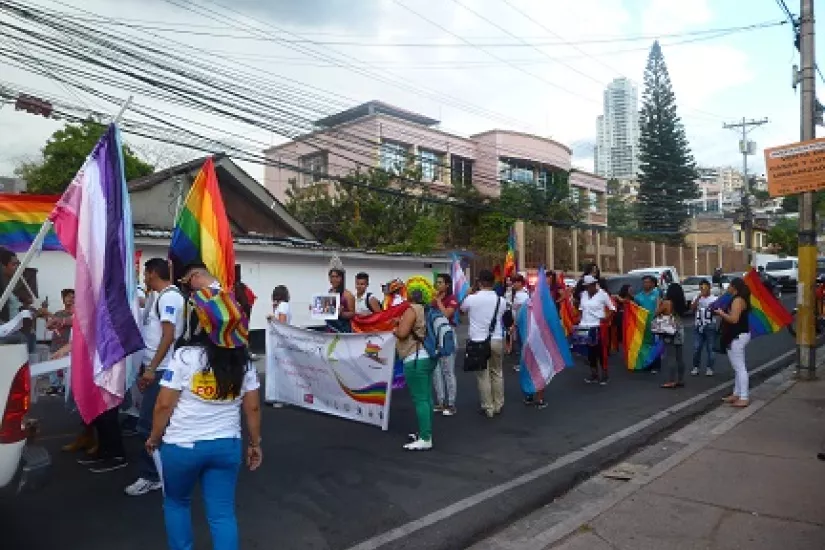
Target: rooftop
{"type": "Point", "coordinates": [374, 107]}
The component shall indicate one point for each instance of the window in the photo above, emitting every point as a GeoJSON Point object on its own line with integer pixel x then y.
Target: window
{"type": "Point", "coordinates": [393, 156]}
{"type": "Point", "coordinates": [461, 171]}
{"type": "Point", "coordinates": [314, 168]}
{"type": "Point", "coordinates": [781, 265]}
{"type": "Point", "coordinates": [515, 171]}
{"type": "Point", "coordinates": [430, 165]}
{"type": "Point", "coordinates": [593, 199]}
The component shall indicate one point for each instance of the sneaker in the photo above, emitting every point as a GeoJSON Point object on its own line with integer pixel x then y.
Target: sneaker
{"type": "Point", "coordinates": [541, 404]}
{"type": "Point", "coordinates": [709, 372]}
{"type": "Point", "coordinates": [528, 401]}
{"type": "Point", "coordinates": [109, 465]}
{"type": "Point", "coordinates": [449, 411]}
{"type": "Point", "coordinates": [695, 371]}
{"type": "Point", "coordinates": [412, 438]}
{"type": "Point", "coordinates": [603, 381]}
{"type": "Point", "coordinates": [592, 380]}
{"type": "Point", "coordinates": [439, 408]}
{"type": "Point", "coordinates": [420, 445]}
{"type": "Point", "coordinates": [654, 371]}
{"type": "Point", "coordinates": [141, 487]}
{"type": "Point", "coordinates": [517, 368]}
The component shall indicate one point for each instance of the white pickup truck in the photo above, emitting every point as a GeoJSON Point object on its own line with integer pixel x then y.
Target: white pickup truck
{"type": "Point", "coordinates": [23, 466]}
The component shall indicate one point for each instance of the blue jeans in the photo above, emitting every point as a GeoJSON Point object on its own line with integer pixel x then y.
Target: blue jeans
{"type": "Point", "coordinates": [215, 465]}
{"type": "Point", "coordinates": [146, 465]}
{"type": "Point", "coordinates": [703, 340]}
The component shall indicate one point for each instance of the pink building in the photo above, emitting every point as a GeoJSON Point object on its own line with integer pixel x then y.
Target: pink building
{"type": "Point", "coordinates": [378, 135]}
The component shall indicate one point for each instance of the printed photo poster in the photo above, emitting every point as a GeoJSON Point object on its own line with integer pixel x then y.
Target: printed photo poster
{"type": "Point", "coordinates": [345, 375]}
{"type": "Point", "coordinates": [324, 307]}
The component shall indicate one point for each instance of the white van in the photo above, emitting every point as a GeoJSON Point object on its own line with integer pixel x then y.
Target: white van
{"type": "Point", "coordinates": [785, 271]}
{"type": "Point", "coordinates": [658, 272]}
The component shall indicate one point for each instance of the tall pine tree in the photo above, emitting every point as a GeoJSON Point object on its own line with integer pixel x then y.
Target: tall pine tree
{"type": "Point", "coordinates": [667, 169]}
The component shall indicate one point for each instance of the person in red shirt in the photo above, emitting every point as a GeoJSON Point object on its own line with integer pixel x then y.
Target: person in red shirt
{"type": "Point", "coordinates": [444, 375]}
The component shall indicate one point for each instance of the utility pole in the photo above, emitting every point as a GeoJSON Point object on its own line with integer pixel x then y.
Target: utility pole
{"type": "Point", "coordinates": [747, 148]}
{"type": "Point", "coordinates": [806, 298]}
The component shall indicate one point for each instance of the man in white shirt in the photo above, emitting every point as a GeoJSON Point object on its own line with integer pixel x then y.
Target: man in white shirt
{"type": "Point", "coordinates": [484, 308]}
{"type": "Point", "coordinates": [163, 325]}
{"type": "Point", "coordinates": [704, 328]}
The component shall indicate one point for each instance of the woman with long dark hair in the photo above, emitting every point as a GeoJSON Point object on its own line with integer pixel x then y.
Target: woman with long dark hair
{"type": "Point", "coordinates": [444, 376]}
{"type": "Point", "coordinates": [735, 337]}
{"type": "Point", "coordinates": [337, 282]}
{"type": "Point", "coordinates": [670, 311]}
{"type": "Point", "coordinates": [198, 418]}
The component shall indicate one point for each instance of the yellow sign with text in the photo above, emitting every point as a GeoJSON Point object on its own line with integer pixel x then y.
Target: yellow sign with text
{"type": "Point", "coordinates": [796, 167]}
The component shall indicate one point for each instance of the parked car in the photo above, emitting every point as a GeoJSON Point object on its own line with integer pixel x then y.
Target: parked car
{"type": "Point", "coordinates": [23, 466]}
{"type": "Point", "coordinates": [615, 284]}
{"type": "Point", "coordinates": [691, 287]}
{"type": "Point", "coordinates": [728, 277]}
{"type": "Point", "coordinates": [785, 271]}
{"type": "Point", "coordinates": [659, 273]}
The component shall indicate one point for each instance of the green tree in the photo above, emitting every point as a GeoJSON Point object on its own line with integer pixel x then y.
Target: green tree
{"type": "Point", "coordinates": [784, 236]}
{"type": "Point", "coordinates": [667, 169]}
{"type": "Point", "coordinates": [620, 213]}
{"type": "Point", "coordinates": [373, 209]}
{"type": "Point", "coordinates": [64, 154]}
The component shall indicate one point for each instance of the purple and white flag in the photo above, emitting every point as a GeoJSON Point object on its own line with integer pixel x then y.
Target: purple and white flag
{"type": "Point", "coordinates": [93, 220]}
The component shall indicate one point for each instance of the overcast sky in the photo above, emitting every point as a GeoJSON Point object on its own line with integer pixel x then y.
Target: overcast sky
{"type": "Point", "coordinates": [552, 87]}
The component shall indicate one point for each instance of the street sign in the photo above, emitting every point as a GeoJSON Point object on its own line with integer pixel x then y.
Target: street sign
{"type": "Point", "coordinates": [796, 167]}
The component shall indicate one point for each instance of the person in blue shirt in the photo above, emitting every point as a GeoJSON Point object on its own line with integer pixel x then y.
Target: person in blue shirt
{"type": "Point", "coordinates": [649, 298]}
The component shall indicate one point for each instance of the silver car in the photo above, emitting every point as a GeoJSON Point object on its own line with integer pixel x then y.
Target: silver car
{"type": "Point", "coordinates": [691, 287]}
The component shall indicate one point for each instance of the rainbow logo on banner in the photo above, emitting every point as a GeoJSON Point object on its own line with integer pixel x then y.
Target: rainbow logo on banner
{"type": "Point", "coordinates": [374, 394]}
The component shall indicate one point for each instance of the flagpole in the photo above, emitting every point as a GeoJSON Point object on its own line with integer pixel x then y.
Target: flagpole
{"type": "Point", "coordinates": [44, 230]}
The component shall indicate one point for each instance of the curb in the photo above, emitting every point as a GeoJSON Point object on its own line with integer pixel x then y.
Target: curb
{"type": "Point", "coordinates": [473, 519]}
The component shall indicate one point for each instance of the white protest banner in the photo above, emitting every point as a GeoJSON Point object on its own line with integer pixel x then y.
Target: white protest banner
{"type": "Point", "coordinates": [347, 375]}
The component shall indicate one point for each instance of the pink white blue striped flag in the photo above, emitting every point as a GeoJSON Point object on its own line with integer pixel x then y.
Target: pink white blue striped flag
{"type": "Point", "coordinates": [545, 349]}
{"type": "Point", "coordinates": [461, 286]}
{"type": "Point", "coordinates": [93, 220]}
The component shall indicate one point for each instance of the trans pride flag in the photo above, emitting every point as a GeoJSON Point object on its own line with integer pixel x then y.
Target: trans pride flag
{"type": "Point", "coordinates": [202, 232]}
{"type": "Point", "coordinates": [641, 348]}
{"type": "Point", "coordinates": [21, 217]}
{"type": "Point", "coordinates": [545, 350]}
{"type": "Point", "coordinates": [461, 286]}
{"type": "Point", "coordinates": [93, 220]}
{"type": "Point", "coordinates": [767, 314]}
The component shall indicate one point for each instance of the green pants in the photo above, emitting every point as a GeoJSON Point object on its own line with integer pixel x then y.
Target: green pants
{"type": "Point", "coordinates": [419, 376]}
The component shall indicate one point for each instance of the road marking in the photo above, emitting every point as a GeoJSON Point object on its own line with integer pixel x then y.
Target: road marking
{"type": "Point", "coordinates": [464, 504]}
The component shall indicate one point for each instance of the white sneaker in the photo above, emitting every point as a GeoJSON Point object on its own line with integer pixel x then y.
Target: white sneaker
{"type": "Point", "coordinates": [420, 445]}
{"type": "Point", "coordinates": [709, 372]}
{"type": "Point", "coordinates": [141, 487]}
{"type": "Point", "coordinates": [695, 371]}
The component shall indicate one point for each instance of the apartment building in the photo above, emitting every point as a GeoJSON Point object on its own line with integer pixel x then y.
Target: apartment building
{"type": "Point", "coordinates": [617, 132]}
{"type": "Point", "coordinates": [378, 135]}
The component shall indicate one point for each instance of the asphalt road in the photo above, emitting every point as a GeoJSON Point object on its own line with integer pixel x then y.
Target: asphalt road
{"type": "Point", "coordinates": [328, 483]}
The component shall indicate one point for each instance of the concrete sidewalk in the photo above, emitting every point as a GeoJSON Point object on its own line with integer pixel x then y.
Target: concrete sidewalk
{"type": "Point", "coordinates": [733, 479]}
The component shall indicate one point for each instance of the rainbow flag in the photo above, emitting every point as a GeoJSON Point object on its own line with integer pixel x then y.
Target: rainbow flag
{"type": "Point", "coordinates": [498, 280]}
{"type": "Point", "coordinates": [767, 314]}
{"type": "Point", "coordinates": [545, 351]}
{"type": "Point", "coordinates": [510, 267]}
{"type": "Point", "coordinates": [640, 346]}
{"type": "Point", "coordinates": [21, 217]}
{"type": "Point", "coordinates": [382, 321]}
{"type": "Point", "coordinates": [202, 232]}
{"type": "Point", "coordinates": [568, 313]}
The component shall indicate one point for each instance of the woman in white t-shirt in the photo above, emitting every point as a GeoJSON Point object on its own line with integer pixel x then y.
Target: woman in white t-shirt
{"type": "Point", "coordinates": [280, 305]}
{"type": "Point", "coordinates": [594, 304]}
{"type": "Point", "coordinates": [199, 407]}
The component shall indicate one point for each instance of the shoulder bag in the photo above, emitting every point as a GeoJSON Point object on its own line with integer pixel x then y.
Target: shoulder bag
{"type": "Point", "coordinates": [476, 354]}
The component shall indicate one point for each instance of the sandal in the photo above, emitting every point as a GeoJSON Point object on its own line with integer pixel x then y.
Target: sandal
{"type": "Point", "coordinates": [669, 385]}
